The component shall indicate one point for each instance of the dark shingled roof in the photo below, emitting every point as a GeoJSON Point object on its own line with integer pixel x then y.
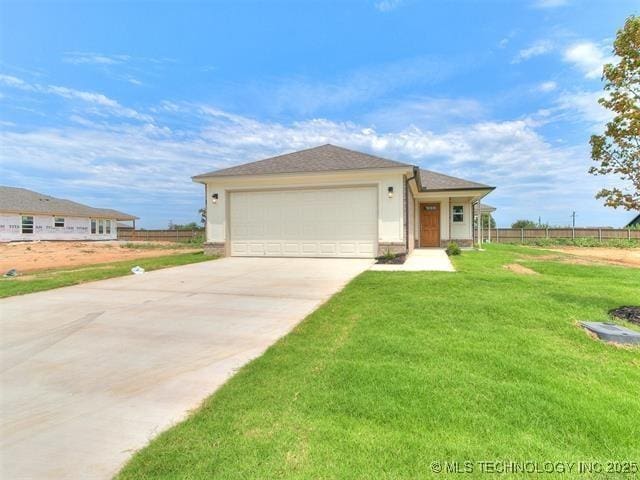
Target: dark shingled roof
{"type": "Point", "coordinates": [21, 200]}
{"type": "Point", "coordinates": [431, 181]}
{"type": "Point", "coordinates": [318, 159]}
{"type": "Point", "coordinates": [634, 222]}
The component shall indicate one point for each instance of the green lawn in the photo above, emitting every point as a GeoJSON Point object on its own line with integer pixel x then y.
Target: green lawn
{"type": "Point", "coordinates": [54, 278]}
{"type": "Point", "coordinates": [403, 369]}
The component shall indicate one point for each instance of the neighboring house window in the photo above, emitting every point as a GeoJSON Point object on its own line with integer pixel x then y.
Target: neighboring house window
{"type": "Point", "coordinates": [107, 225]}
{"type": "Point", "coordinates": [458, 213]}
{"type": "Point", "coordinates": [93, 225]}
{"type": "Point", "coordinates": [58, 222]}
{"type": "Point", "coordinates": [100, 227]}
{"type": "Point", "coordinates": [27, 224]}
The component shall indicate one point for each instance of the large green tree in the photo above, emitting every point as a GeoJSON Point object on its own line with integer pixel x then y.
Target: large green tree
{"type": "Point", "coordinates": [523, 223]}
{"type": "Point", "coordinates": [617, 150]}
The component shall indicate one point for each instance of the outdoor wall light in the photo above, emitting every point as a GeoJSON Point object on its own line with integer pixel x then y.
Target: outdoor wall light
{"type": "Point", "coordinates": [390, 190]}
{"type": "Point", "coordinates": [214, 197]}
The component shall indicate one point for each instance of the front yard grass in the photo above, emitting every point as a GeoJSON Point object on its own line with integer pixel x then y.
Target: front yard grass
{"type": "Point", "coordinates": [54, 278]}
{"type": "Point", "coordinates": [403, 369]}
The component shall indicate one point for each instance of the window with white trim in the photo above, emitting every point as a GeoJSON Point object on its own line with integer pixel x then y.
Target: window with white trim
{"type": "Point", "coordinates": [100, 226]}
{"type": "Point", "coordinates": [107, 226]}
{"type": "Point", "coordinates": [27, 224]}
{"type": "Point", "coordinates": [457, 214]}
{"type": "Point", "coordinates": [58, 222]}
{"type": "Point", "coordinates": [93, 225]}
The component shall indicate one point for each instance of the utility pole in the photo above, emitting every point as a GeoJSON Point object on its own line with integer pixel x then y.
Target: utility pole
{"type": "Point", "coordinates": [573, 220]}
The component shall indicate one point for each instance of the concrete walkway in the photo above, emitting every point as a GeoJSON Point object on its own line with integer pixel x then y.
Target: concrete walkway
{"type": "Point", "coordinates": [421, 260]}
{"type": "Point", "coordinates": [91, 373]}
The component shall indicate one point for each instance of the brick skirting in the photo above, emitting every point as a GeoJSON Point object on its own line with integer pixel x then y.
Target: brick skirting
{"type": "Point", "coordinates": [215, 248]}
{"type": "Point", "coordinates": [393, 247]}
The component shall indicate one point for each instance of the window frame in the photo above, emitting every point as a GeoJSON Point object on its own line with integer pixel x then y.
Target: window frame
{"type": "Point", "coordinates": [94, 226]}
{"type": "Point", "coordinates": [457, 216]}
{"type": "Point", "coordinates": [25, 225]}
{"type": "Point", "coordinates": [101, 226]}
{"type": "Point", "coordinates": [107, 227]}
{"type": "Point", "coordinates": [56, 221]}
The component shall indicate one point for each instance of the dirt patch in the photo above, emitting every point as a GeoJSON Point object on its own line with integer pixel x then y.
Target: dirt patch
{"type": "Point", "coordinates": [629, 313]}
{"type": "Point", "coordinates": [628, 257]}
{"type": "Point", "coordinates": [520, 269]}
{"type": "Point", "coordinates": [34, 256]}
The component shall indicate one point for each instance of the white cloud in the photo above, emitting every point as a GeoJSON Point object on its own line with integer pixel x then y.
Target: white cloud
{"type": "Point", "coordinates": [94, 58]}
{"type": "Point", "coordinates": [587, 57]}
{"type": "Point", "coordinates": [108, 105]}
{"type": "Point", "coordinates": [548, 86]}
{"type": "Point", "coordinates": [118, 66]}
{"type": "Point", "coordinates": [387, 5]}
{"type": "Point", "coordinates": [538, 48]}
{"type": "Point", "coordinates": [15, 82]}
{"type": "Point", "coordinates": [306, 97]}
{"type": "Point", "coordinates": [583, 106]}
{"type": "Point", "coordinates": [426, 112]}
{"type": "Point", "coordinates": [550, 3]}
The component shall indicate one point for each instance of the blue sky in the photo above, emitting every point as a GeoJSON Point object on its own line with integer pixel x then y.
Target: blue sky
{"type": "Point", "coordinates": [118, 104]}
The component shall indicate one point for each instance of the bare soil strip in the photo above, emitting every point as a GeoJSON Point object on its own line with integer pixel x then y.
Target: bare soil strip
{"type": "Point", "coordinates": [629, 257]}
{"type": "Point", "coordinates": [34, 256]}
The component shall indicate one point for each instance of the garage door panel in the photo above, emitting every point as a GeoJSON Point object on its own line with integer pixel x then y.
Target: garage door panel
{"type": "Point", "coordinates": [273, 248]}
{"type": "Point", "coordinates": [321, 222]}
{"type": "Point", "coordinates": [239, 248]}
{"type": "Point", "coordinates": [366, 247]}
{"type": "Point", "coordinates": [291, 249]}
{"type": "Point", "coordinates": [309, 248]}
{"type": "Point", "coordinates": [256, 248]}
{"type": "Point", "coordinates": [347, 247]}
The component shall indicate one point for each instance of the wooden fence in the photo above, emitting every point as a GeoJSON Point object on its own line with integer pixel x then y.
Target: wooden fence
{"type": "Point", "coordinates": [522, 235]}
{"type": "Point", "coordinates": [161, 235]}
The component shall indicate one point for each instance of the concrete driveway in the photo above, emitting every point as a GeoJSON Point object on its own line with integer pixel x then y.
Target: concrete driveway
{"type": "Point", "coordinates": [91, 373]}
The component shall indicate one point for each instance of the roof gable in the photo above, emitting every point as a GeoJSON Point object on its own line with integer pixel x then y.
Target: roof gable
{"type": "Point", "coordinates": [21, 200]}
{"type": "Point", "coordinates": [324, 158]}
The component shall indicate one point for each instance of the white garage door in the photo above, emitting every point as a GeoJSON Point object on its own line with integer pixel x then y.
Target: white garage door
{"type": "Point", "coordinates": [340, 222]}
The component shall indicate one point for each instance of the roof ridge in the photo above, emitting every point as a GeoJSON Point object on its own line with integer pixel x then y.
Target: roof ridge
{"type": "Point", "coordinates": [330, 157]}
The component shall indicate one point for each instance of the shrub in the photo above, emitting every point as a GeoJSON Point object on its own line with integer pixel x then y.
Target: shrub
{"type": "Point", "coordinates": [388, 255]}
{"type": "Point", "coordinates": [453, 249]}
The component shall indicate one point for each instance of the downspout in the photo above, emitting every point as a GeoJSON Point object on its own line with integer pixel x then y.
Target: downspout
{"type": "Point", "coordinates": [406, 208]}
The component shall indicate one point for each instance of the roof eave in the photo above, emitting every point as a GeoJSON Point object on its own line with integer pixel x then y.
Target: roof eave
{"type": "Point", "coordinates": [53, 213]}
{"type": "Point", "coordinates": [205, 176]}
{"type": "Point", "coordinates": [427, 190]}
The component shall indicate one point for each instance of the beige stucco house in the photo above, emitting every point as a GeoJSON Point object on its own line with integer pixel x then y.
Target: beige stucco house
{"type": "Point", "coordinates": [329, 201]}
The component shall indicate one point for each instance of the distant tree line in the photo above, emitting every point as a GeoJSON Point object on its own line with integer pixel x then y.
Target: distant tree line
{"type": "Point", "coordinates": [191, 225]}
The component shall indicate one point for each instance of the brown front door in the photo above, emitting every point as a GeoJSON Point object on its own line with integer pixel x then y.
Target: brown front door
{"type": "Point", "coordinates": [429, 224]}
